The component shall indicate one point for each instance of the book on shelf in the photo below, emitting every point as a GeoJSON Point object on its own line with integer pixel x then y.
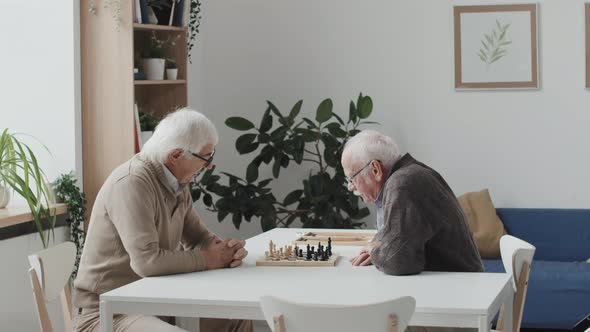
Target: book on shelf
{"type": "Point", "coordinates": [180, 13]}
{"type": "Point", "coordinates": [172, 12]}
{"type": "Point", "coordinates": [143, 11]}
{"type": "Point", "coordinates": [137, 11]}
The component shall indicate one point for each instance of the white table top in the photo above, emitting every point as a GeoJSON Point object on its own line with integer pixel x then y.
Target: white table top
{"type": "Point", "coordinates": [435, 292]}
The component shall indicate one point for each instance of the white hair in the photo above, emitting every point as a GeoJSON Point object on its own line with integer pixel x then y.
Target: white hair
{"type": "Point", "coordinates": [370, 145]}
{"type": "Point", "coordinates": [184, 129]}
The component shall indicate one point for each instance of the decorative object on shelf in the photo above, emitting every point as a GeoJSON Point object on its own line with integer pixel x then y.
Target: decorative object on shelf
{"type": "Point", "coordinates": [147, 123]}
{"type": "Point", "coordinates": [68, 192]}
{"type": "Point", "coordinates": [20, 170]}
{"type": "Point", "coordinates": [154, 63]}
{"type": "Point", "coordinates": [496, 46]}
{"type": "Point", "coordinates": [171, 69]}
{"type": "Point", "coordinates": [194, 23]}
{"type": "Point", "coordinates": [323, 202]}
{"type": "Point", "coordinates": [159, 11]}
{"type": "Point", "coordinates": [115, 6]}
{"type": "Point", "coordinates": [137, 75]}
{"type": "Point", "coordinates": [4, 196]}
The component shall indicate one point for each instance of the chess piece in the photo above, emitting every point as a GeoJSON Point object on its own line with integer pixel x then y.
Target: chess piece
{"type": "Point", "coordinates": [300, 252]}
{"type": "Point", "coordinates": [315, 256]}
{"type": "Point", "coordinates": [308, 248]}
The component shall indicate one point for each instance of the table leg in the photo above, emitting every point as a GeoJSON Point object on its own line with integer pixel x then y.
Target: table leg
{"type": "Point", "coordinates": [106, 317]}
{"type": "Point", "coordinates": [484, 324]}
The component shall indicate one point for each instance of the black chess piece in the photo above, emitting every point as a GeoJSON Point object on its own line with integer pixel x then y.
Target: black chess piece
{"type": "Point", "coordinates": [300, 252]}
{"type": "Point", "coordinates": [315, 256]}
{"type": "Point", "coordinates": [312, 249]}
{"type": "Point", "coordinates": [308, 247]}
{"type": "Point", "coordinates": [308, 256]}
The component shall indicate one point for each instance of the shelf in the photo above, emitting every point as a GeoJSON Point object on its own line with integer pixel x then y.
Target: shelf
{"type": "Point", "coordinates": [155, 27]}
{"type": "Point", "coordinates": [20, 213]}
{"type": "Point", "coordinates": [159, 82]}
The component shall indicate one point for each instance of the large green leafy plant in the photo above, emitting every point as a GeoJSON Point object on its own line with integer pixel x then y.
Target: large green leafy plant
{"type": "Point", "coordinates": [20, 171]}
{"type": "Point", "coordinates": [278, 141]}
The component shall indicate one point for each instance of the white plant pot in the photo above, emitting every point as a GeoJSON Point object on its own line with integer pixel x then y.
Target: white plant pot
{"type": "Point", "coordinates": [171, 74]}
{"type": "Point", "coordinates": [154, 68]}
{"type": "Point", "coordinates": [4, 196]}
{"type": "Point", "coordinates": [145, 135]}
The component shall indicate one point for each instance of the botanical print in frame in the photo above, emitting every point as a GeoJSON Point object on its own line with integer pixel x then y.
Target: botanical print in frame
{"type": "Point", "coordinates": [587, 45]}
{"type": "Point", "coordinates": [496, 47]}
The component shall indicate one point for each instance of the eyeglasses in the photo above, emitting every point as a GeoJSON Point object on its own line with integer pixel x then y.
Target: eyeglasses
{"type": "Point", "coordinates": [349, 179]}
{"type": "Point", "coordinates": [206, 160]}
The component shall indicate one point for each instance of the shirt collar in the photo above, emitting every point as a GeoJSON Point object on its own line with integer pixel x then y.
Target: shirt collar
{"type": "Point", "coordinates": [172, 181]}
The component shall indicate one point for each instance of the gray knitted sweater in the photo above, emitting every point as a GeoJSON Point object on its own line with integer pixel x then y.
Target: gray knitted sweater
{"type": "Point", "coordinates": [424, 226]}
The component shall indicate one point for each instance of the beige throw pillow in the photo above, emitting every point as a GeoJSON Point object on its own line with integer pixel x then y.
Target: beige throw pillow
{"type": "Point", "coordinates": [486, 227]}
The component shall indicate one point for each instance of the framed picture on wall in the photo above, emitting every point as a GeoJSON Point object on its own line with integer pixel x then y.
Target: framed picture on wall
{"type": "Point", "coordinates": [496, 47]}
{"type": "Point", "coordinates": [587, 6]}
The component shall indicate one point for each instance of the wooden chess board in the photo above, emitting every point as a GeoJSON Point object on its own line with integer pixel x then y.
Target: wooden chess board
{"type": "Point", "coordinates": [282, 262]}
{"type": "Point", "coordinates": [338, 238]}
{"type": "Point", "coordinates": [287, 256]}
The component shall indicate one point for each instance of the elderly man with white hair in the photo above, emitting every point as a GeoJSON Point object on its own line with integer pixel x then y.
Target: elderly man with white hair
{"type": "Point", "coordinates": [421, 226]}
{"type": "Point", "coordinates": [143, 224]}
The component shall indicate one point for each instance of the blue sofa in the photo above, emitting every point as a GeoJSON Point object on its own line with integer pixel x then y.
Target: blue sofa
{"type": "Point", "coordinates": [559, 283]}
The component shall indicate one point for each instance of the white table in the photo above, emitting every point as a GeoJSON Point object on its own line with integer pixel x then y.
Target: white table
{"type": "Point", "coordinates": [442, 298]}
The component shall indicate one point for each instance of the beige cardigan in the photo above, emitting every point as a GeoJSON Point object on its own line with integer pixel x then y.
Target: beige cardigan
{"type": "Point", "coordinates": [138, 228]}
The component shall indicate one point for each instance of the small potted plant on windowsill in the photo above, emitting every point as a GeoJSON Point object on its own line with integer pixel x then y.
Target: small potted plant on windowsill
{"type": "Point", "coordinates": [171, 69]}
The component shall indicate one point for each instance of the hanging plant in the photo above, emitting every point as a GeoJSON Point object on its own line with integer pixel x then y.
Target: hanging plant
{"type": "Point", "coordinates": [68, 192]}
{"type": "Point", "coordinates": [194, 23]}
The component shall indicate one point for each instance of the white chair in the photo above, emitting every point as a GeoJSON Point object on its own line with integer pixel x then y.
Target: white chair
{"type": "Point", "coordinates": [50, 273]}
{"type": "Point", "coordinates": [517, 257]}
{"type": "Point", "coordinates": [390, 316]}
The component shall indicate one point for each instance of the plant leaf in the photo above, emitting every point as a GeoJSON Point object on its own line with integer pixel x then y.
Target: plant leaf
{"type": "Point", "coordinates": [324, 112]}
{"type": "Point", "coordinates": [239, 123]}
{"type": "Point", "coordinates": [365, 108]}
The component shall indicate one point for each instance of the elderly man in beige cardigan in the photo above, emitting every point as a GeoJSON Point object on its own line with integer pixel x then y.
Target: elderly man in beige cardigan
{"type": "Point", "coordinates": [143, 224]}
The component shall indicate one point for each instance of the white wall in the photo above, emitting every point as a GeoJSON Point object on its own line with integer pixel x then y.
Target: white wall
{"type": "Point", "coordinates": [528, 147]}
{"type": "Point", "coordinates": [39, 95]}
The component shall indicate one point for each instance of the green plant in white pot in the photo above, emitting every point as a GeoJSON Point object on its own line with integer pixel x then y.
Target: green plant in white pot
{"type": "Point", "coordinates": [171, 69]}
{"type": "Point", "coordinates": [20, 172]}
{"type": "Point", "coordinates": [155, 60]}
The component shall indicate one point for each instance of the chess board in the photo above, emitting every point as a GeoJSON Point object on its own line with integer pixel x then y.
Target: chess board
{"type": "Point", "coordinates": [338, 238]}
{"type": "Point", "coordinates": [308, 256]}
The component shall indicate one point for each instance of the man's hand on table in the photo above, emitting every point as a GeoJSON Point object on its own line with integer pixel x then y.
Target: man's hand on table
{"type": "Point", "coordinates": [235, 246]}
{"type": "Point", "coordinates": [363, 258]}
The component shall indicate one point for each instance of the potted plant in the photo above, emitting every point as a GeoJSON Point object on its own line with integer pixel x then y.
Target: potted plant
{"type": "Point", "coordinates": [20, 172]}
{"type": "Point", "coordinates": [147, 122]}
{"type": "Point", "coordinates": [153, 63]}
{"type": "Point", "coordinates": [155, 60]}
{"type": "Point", "coordinates": [171, 69]}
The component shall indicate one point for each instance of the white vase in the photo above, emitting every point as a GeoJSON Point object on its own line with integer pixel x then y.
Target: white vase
{"type": "Point", "coordinates": [154, 68]}
{"type": "Point", "coordinates": [171, 74]}
{"type": "Point", "coordinates": [4, 196]}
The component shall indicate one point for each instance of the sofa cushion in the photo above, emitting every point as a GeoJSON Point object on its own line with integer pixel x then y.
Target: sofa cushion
{"type": "Point", "coordinates": [486, 227]}
{"type": "Point", "coordinates": [558, 295]}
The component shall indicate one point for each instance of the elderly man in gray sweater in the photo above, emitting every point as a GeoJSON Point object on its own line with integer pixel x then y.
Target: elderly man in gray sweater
{"type": "Point", "coordinates": [421, 226]}
{"type": "Point", "coordinates": [143, 224]}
